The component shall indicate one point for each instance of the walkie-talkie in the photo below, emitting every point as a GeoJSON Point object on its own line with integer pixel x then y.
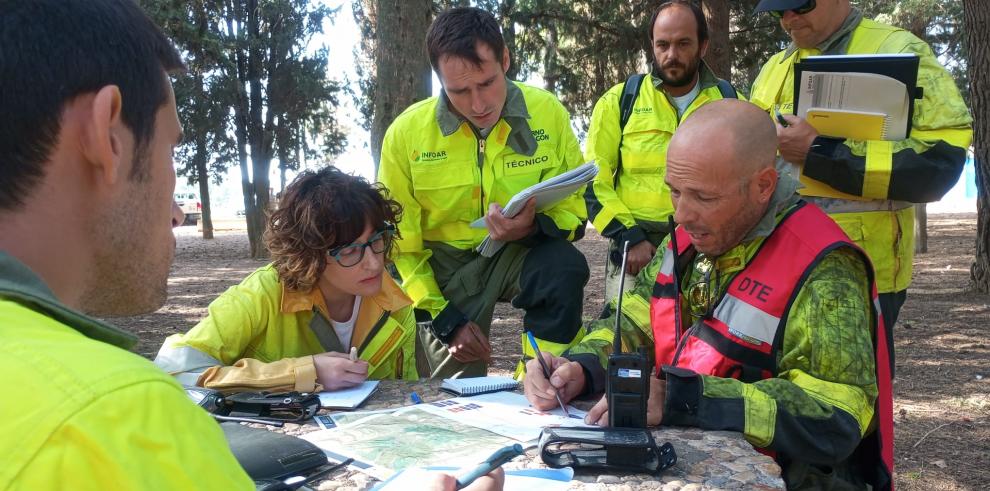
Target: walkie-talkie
{"type": "Point", "coordinates": [628, 373]}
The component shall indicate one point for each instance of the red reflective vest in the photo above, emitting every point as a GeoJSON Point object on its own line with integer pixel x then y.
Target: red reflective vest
{"type": "Point", "coordinates": [744, 333]}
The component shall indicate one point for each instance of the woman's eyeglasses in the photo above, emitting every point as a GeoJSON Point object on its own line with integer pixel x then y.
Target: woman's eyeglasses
{"type": "Point", "coordinates": [351, 254]}
{"type": "Point", "coordinates": [804, 9]}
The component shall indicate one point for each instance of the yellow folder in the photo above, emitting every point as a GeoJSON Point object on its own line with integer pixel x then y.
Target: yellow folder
{"type": "Point", "coordinates": [854, 125]}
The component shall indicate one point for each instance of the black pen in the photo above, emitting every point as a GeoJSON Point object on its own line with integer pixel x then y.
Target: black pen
{"type": "Point", "coordinates": [780, 118]}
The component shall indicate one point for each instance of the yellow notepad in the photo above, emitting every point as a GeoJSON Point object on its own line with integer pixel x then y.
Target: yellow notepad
{"type": "Point", "coordinates": [854, 125]}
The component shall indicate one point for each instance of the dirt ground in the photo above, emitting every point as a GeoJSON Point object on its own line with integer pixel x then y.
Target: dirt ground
{"type": "Point", "coordinates": [942, 391]}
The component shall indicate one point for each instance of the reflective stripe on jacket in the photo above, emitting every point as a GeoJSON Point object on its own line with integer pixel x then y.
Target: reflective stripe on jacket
{"type": "Point", "coordinates": [742, 336]}
{"type": "Point", "coordinates": [866, 186]}
{"type": "Point", "coordinates": [254, 320]}
{"type": "Point", "coordinates": [446, 180]}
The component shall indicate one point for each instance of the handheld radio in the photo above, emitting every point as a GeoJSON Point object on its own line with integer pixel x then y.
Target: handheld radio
{"type": "Point", "coordinates": [628, 386]}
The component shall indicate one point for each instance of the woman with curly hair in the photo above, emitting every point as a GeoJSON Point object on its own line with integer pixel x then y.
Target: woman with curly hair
{"type": "Point", "coordinates": [295, 323]}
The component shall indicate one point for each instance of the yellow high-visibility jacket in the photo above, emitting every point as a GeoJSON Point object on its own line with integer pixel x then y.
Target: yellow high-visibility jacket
{"type": "Point", "coordinates": [259, 336]}
{"type": "Point", "coordinates": [80, 412]}
{"type": "Point", "coordinates": [868, 187]}
{"type": "Point", "coordinates": [620, 200]}
{"type": "Point", "coordinates": [445, 176]}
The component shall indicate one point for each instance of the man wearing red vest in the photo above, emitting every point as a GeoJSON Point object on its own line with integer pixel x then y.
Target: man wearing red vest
{"type": "Point", "coordinates": [763, 320]}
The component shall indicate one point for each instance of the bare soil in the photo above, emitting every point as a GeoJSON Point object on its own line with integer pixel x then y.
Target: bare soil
{"type": "Point", "coordinates": [942, 391]}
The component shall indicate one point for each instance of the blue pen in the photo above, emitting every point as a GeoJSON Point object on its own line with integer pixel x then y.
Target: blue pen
{"type": "Point", "coordinates": [493, 462]}
{"type": "Point", "coordinates": [546, 371]}
{"type": "Point", "coordinates": [414, 397]}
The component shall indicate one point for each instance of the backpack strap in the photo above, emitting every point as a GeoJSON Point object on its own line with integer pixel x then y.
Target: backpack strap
{"type": "Point", "coordinates": [727, 90]}
{"type": "Point", "coordinates": [630, 91]}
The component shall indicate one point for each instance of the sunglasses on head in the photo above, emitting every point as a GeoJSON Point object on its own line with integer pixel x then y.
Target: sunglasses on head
{"type": "Point", "coordinates": [804, 9]}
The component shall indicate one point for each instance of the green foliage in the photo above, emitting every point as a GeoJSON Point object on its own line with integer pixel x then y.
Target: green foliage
{"type": "Point", "coordinates": [200, 92]}
{"type": "Point", "coordinates": [581, 48]}
{"type": "Point", "coordinates": [300, 100]}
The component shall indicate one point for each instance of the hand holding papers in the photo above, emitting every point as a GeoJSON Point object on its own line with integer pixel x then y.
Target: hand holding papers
{"type": "Point", "coordinates": [546, 193]}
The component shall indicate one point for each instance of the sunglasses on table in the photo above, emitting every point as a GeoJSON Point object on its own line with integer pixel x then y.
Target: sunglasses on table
{"type": "Point", "coordinates": [804, 9]}
{"type": "Point", "coordinates": [351, 254]}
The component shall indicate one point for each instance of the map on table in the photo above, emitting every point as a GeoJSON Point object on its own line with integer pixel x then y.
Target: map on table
{"type": "Point", "coordinates": [392, 442]}
{"type": "Point", "coordinates": [506, 413]}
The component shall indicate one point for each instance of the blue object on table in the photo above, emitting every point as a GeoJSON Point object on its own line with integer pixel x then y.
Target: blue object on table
{"type": "Point", "coordinates": [549, 477]}
{"type": "Point", "coordinates": [493, 462]}
{"type": "Point", "coordinates": [414, 397]}
{"type": "Point", "coordinates": [546, 371]}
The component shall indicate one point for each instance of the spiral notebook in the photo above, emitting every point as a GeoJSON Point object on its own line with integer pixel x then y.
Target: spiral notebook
{"type": "Point", "coordinates": [857, 125]}
{"type": "Point", "coordinates": [478, 385]}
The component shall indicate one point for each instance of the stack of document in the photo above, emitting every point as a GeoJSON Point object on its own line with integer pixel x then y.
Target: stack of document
{"type": "Point", "coordinates": [547, 194]}
{"type": "Point", "coordinates": [860, 97]}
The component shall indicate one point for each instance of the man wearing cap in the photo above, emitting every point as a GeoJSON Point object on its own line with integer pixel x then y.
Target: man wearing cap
{"type": "Point", "coordinates": [868, 187]}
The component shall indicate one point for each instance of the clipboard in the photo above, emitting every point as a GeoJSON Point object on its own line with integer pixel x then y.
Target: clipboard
{"type": "Point", "coordinates": [901, 67]}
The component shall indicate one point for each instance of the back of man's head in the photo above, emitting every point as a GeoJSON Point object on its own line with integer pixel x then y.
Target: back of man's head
{"type": "Point", "coordinates": [52, 51]}
{"type": "Point", "coordinates": [456, 32]}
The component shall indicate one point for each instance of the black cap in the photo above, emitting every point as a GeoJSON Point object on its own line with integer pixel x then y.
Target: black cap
{"type": "Point", "coordinates": [768, 5]}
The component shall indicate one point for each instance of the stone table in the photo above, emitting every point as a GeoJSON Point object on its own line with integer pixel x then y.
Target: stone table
{"type": "Point", "coordinates": [705, 459]}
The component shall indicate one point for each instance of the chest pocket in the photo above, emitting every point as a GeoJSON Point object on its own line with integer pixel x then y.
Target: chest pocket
{"type": "Point", "coordinates": [447, 190]}
{"type": "Point", "coordinates": [644, 143]}
{"type": "Point", "coordinates": [644, 164]}
{"type": "Point", "coordinates": [516, 172]}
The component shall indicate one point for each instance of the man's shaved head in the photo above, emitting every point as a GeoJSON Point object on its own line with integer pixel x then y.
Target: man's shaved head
{"type": "Point", "coordinates": [721, 174]}
{"type": "Point", "coordinates": [738, 130]}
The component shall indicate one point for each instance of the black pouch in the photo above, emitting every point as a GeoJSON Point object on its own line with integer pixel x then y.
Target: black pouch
{"type": "Point", "coordinates": [283, 406]}
{"type": "Point", "coordinates": [623, 449]}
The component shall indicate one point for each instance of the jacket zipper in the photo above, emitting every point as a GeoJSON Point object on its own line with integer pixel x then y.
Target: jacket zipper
{"type": "Point", "coordinates": [681, 343]}
{"type": "Point", "coordinates": [481, 170]}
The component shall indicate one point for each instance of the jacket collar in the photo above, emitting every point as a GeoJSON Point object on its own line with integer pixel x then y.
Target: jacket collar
{"type": "Point", "coordinates": [390, 298]}
{"type": "Point", "coordinates": [20, 284]}
{"type": "Point", "coordinates": [838, 42]}
{"type": "Point", "coordinates": [514, 113]}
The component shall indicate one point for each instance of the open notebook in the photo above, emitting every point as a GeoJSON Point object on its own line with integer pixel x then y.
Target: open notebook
{"type": "Point", "coordinates": [348, 398]}
{"type": "Point", "coordinates": [478, 385]}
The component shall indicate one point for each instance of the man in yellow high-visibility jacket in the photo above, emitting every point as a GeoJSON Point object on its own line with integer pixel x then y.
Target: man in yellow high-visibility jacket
{"type": "Point", "coordinates": [629, 132]}
{"type": "Point", "coordinates": [452, 159]}
{"type": "Point", "coordinates": [86, 211]}
{"type": "Point", "coordinates": [868, 187]}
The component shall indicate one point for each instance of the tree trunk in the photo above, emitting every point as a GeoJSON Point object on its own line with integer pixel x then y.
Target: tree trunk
{"type": "Point", "coordinates": [260, 159]}
{"type": "Point", "coordinates": [976, 19]}
{"type": "Point", "coordinates": [920, 228]}
{"type": "Point", "coordinates": [203, 176]}
{"type": "Point", "coordinates": [509, 34]}
{"type": "Point", "coordinates": [550, 72]}
{"type": "Point", "coordinates": [719, 56]}
{"type": "Point", "coordinates": [402, 69]}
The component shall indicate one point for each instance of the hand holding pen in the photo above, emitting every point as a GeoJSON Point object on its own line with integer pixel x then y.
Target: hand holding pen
{"type": "Point", "coordinates": [501, 456]}
{"type": "Point", "coordinates": [546, 372]}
